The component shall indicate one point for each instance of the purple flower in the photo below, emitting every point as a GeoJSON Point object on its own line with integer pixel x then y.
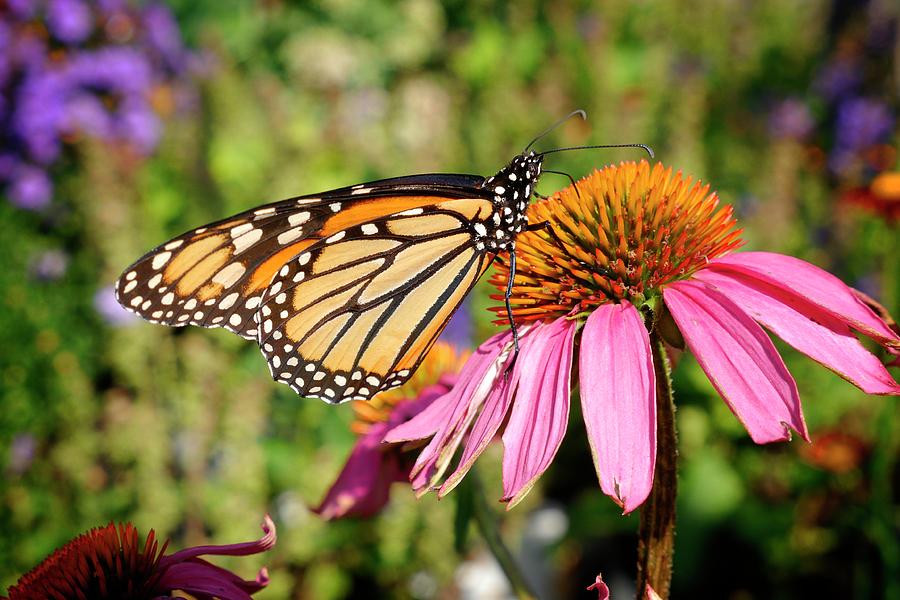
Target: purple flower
{"type": "Point", "coordinates": [30, 189]}
{"type": "Point", "coordinates": [458, 332]}
{"type": "Point", "coordinates": [138, 124]}
{"type": "Point", "coordinates": [49, 265]}
{"type": "Point", "coordinates": [21, 452]}
{"type": "Point", "coordinates": [838, 79]}
{"type": "Point", "coordinates": [70, 21]}
{"type": "Point", "coordinates": [112, 312]}
{"type": "Point", "coordinates": [163, 35]}
{"type": "Point", "coordinates": [790, 119]}
{"type": "Point", "coordinates": [101, 90]}
{"type": "Point", "coordinates": [863, 122]}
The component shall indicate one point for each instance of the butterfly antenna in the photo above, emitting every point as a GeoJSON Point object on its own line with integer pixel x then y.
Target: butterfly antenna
{"type": "Point", "coordinates": [643, 147]}
{"type": "Point", "coordinates": [554, 126]}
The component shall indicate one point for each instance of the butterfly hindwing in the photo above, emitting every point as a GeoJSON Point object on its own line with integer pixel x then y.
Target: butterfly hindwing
{"type": "Point", "coordinates": [356, 312]}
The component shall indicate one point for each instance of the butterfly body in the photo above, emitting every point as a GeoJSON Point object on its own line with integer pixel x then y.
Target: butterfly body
{"type": "Point", "coordinates": [344, 291]}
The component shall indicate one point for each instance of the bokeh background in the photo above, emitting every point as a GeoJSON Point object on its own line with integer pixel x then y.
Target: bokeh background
{"type": "Point", "coordinates": [124, 124]}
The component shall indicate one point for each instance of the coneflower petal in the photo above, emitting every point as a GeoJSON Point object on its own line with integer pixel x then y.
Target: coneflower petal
{"type": "Point", "coordinates": [740, 360]}
{"type": "Point", "coordinates": [811, 330]}
{"type": "Point", "coordinates": [458, 408]}
{"type": "Point", "coordinates": [538, 419]}
{"type": "Point", "coordinates": [818, 287]}
{"type": "Point", "coordinates": [618, 400]}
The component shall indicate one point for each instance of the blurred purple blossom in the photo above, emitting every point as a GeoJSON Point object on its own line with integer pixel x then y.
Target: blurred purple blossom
{"type": "Point", "coordinates": [30, 188]}
{"type": "Point", "coordinates": [21, 452]}
{"type": "Point", "coordinates": [78, 80]}
{"type": "Point", "coordinates": [790, 119]}
{"type": "Point", "coordinates": [112, 312]}
{"type": "Point", "coordinates": [838, 79]}
{"type": "Point", "coordinates": [70, 21]}
{"type": "Point", "coordinates": [49, 265]}
{"type": "Point", "coordinates": [459, 330]}
{"type": "Point", "coordinates": [861, 123]}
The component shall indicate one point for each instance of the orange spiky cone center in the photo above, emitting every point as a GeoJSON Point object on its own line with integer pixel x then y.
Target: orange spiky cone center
{"type": "Point", "coordinates": [620, 234]}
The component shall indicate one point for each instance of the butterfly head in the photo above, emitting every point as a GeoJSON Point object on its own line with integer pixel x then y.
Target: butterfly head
{"type": "Point", "coordinates": [512, 187]}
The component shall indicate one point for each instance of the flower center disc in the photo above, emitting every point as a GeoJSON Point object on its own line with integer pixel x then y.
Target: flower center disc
{"type": "Point", "coordinates": [618, 235]}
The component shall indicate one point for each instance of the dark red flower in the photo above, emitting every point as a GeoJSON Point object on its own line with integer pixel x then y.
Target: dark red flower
{"type": "Point", "coordinates": [110, 563]}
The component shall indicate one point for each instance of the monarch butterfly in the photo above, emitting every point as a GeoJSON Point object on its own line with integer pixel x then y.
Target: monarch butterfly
{"type": "Point", "coordinates": [344, 291]}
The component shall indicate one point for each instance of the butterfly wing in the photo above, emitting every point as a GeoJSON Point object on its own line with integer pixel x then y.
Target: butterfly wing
{"type": "Point", "coordinates": [215, 276]}
{"type": "Point", "coordinates": [357, 310]}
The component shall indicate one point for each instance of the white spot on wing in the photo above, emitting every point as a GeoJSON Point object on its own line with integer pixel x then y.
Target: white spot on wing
{"type": "Point", "coordinates": [248, 239]}
{"type": "Point", "coordinates": [160, 259]}
{"type": "Point", "coordinates": [290, 235]}
{"type": "Point", "coordinates": [229, 275]}
{"type": "Point", "coordinates": [300, 218]}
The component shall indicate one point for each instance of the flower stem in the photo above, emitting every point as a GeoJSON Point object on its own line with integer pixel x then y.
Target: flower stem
{"type": "Point", "coordinates": [487, 525]}
{"type": "Point", "coordinates": [656, 542]}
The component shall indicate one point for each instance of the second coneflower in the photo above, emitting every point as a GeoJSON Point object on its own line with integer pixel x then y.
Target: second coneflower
{"type": "Point", "coordinates": [633, 256]}
{"type": "Point", "coordinates": [363, 486]}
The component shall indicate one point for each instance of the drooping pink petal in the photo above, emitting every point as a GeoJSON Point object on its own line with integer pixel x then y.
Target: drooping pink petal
{"type": "Point", "coordinates": [460, 407]}
{"type": "Point", "coordinates": [363, 486]}
{"type": "Point", "coordinates": [739, 359]}
{"type": "Point", "coordinates": [817, 286]}
{"type": "Point", "coordinates": [204, 580]}
{"type": "Point", "coordinates": [618, 400]}
{"type": "Point", "coordinates": [185, 571]}
{"type": "Point", "coordinates": [600, 587]}
{"type": "Point", "coordinates": [243, 549]}
{"type": "Point", "coordinates": [806, 327]}
{"type": "Point", "coordinates": [364, 483]}
{"type": "Point", "coordinates": [486, 424]}
{"type": "Point", "coordinates": [540, 411]}
{"type": "Point", "coordinates": [433, 418]}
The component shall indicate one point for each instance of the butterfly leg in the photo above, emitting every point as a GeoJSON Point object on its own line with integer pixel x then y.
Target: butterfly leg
{"type": "Point", "coordinates": [509, 313]}
{"type": "Point", "coordinates": [572, 179]}
{"type": "Point", "coordinates": [546, 226]}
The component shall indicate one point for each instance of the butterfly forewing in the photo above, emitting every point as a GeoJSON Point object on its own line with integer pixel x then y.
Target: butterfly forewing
{"type": "Point", "coordinates": [345, 291]}
{"type": "Point", "coordinates": [357, 311]}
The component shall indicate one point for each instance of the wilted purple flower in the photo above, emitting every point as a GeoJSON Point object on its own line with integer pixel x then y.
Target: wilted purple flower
{"type": "Point", "coordinates": [112, 312]}
{"type": "Point", "coordinates": [790, 119]}
{"type": "Point", "coordinates": [70, 21]}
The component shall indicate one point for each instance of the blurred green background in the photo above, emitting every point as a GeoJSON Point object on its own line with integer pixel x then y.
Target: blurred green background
{"type": "Point", "coordinates": [786, 108]}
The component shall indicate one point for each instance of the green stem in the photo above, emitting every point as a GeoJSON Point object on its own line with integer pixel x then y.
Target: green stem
{"type": "Point", "coordinates": [487, 525]}
{"type": "Point", "coordinates": [656, 543]}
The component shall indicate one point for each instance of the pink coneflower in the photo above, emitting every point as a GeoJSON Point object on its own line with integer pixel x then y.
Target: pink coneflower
{"type": "Point", "coordinates": [637, 256]}
{"type": "Point", "coordinates": [110, 563]}
{"type": "Point", "coordinates": [363, 486]}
